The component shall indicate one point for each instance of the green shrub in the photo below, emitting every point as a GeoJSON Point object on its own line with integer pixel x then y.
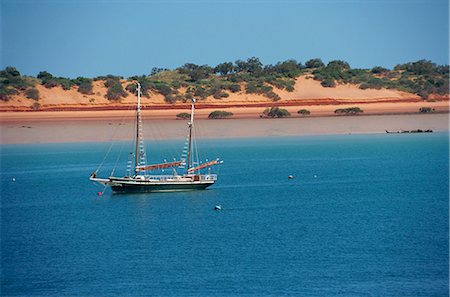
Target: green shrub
{"type": "Point", "coordinates": [85, 86]}
{"type": "Point", "coordinates": [183, 116]}
{"type": "Point", "coordinates": [7, 92]}
{"type": "Point", "coordinates": [426, 109]}
{"type": "Point", "coordinates": [304, 112]}
{"type": "Point", "coordinates": [314, 63]}
{"type": "Point", "coordinates": [234, 88]}
{"type": "Point", "coordinates": [349, 111]}
{"type": "Point", "coordinates": [115, 90]}
{"type": "Point", "coordinates": [272, 95]}
{"type": "Point", "coordinates": [35, 106]}
{"type": "Point", "coordinates": [276, 112]}
{"type": "Point", "coordinates": [328, 83]}
{"type": "Point", "coordinates": [220, 94]}
{"type": "Point", "coordinates": [66, 83]}
{"type": "Point", "coordinates": [32, 93]}
{"type": "Point", "coordinates": [220, 114]}
{"type": "Point", "coordinates": [280, 83]}
{"type": "Point", "coordinates": [373, 83]}
{"type": "Point", "coordinates": [50, 83]}
{"type": "Point", "coordinates": [131, 88]}
{"type": "Point", "coordinates": [10, 78]}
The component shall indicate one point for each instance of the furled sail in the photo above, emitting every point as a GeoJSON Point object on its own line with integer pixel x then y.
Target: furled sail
{"type": "Point", "coordinates": [158, 166]}
{"type": "Point", "coordinates": [204, 165]}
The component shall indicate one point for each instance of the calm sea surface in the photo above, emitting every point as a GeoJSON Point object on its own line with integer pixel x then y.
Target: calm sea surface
{"type": "Point", "coordinates": [365, 215]}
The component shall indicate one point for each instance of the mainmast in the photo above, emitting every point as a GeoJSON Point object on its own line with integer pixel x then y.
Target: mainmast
{"type": "Point", "coordinates": [190, 124]}
{"type": "Point", "coordinates": [139, 145]}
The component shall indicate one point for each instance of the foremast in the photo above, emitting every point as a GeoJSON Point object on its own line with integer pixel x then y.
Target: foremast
{"type": "Point", "coordinates": [190, 124]}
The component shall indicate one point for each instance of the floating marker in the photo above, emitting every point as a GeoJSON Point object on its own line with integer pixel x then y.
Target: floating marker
{"type": "Point", "coordinates": [218, 207]}
{"type": "Point", "coordinates": [315, 176]}
{"type": "Point", "coordinates": [13, 179]}
{"type": "Point", "coordinates": [100, 193]}
{"type": "Point", "coordinates": [290, 176]}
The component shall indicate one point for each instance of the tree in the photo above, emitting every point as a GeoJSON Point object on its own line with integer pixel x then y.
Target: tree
{"type": "Point", "coordinates": [338, 65]}
{"type": "Point", "coordinates": [314, 63]}
{"type": "Point", "coordinates": [289, 68]}
{"type": "Point", "coordinates": [196, 72]}
{"type": "Point", "coordinates": [252, 65]}
{"type": "Point", "coordinates": [379, 70]}
{"type": "Point", "coordinates": [12, 71]}
{"type": "Point", "coordinates": [156, 70]}
{"type": "Point", "coordinates": [44, 76]}
{"type": "Point", "coordinates": [224, 68]}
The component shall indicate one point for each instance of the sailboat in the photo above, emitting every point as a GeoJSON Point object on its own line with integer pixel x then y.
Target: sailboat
{"type": "Point", "coordinates": [140, 182]}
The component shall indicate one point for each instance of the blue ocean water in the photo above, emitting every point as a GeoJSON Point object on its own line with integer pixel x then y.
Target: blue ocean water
{"type": "Point", "coordinates": [365, 215]}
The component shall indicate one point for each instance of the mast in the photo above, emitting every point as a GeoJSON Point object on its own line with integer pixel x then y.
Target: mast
{"type": "Point", "coordinates": [190, 124]}
{"type": "Point", "coordinates": [138, 126]}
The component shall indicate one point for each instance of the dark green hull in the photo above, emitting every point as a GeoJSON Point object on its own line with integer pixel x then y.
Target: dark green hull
{"type": "Point", "coordinates": [126, 188]}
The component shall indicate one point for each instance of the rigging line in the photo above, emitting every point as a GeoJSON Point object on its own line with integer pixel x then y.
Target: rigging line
{"type": "Point", "coordinates": [160, 139]}
{"type": "Point", "coordinates": [117, 159]}
{"type": "Point", "coordinates": [211, 148]}
{"type": "Point", "coordinates": [112, 141]}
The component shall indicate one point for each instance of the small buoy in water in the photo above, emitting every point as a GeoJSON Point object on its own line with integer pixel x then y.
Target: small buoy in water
{"type": "Point", "coordinates": [315, 176]}
{"type": "Point", "coordinates": [100, 193]}
{"type": "Point", "coordinates": [13, 179]}
{"type": "Point", "coordinates": [217, 207]}
{"type": "Point", "coordinates": [290, 176]}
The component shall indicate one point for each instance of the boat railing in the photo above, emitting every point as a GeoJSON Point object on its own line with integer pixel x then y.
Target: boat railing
{"type": "Point", "coordinates": [203, 177]}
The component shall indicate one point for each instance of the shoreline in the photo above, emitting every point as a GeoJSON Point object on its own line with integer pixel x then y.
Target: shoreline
{"type": "Point", "coordinates": [120, 128]}
{"type": "Point", "coordinates": [250, 111]}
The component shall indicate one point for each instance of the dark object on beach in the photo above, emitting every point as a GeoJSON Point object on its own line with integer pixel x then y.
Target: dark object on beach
{"type": "Point", "coordinates": [348, 111]}
{"type": "Point", "coordinates": [218, 207]}
{"type": "Point", "coordinates": [410, 131]}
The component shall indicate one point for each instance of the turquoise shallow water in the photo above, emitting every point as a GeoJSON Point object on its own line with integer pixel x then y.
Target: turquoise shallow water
{"type": "Point", "coordinates": [365, 215]}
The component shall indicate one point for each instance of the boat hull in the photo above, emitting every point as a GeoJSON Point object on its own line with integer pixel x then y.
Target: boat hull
{"type": "Point", "coordinates": [148, 188]}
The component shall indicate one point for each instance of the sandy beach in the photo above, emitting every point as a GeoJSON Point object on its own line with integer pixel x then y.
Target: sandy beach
{"type": "Point", "coordinates": [91, 128]}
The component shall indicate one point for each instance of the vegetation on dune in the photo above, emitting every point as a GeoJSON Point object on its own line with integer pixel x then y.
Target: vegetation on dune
{"type": "Point", "coordinates": [36, 106]}
{"type": "Point", "coordinates": [349, 111]}
{"type": "Point", "coordinates": [32, 93]}
{"type": "Point", "coordinates": [220, 114]}
{"type": "Point", "coordinates": [275, 112]}
{"type": "Point", "coordinates": [12, 83]}
{"type": "Point", "coordinates": [304, 112]}
{"type": "Point", "coordinates": [183, 116]}
{"type": "Point", "coordinates": [249, 76]}
{"type": "Point", "coordinates": [84, 85]}
{"type": "Point", "coordinates": [421, 77]}
{"type": "Point", "coordinates": [115, 90]}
